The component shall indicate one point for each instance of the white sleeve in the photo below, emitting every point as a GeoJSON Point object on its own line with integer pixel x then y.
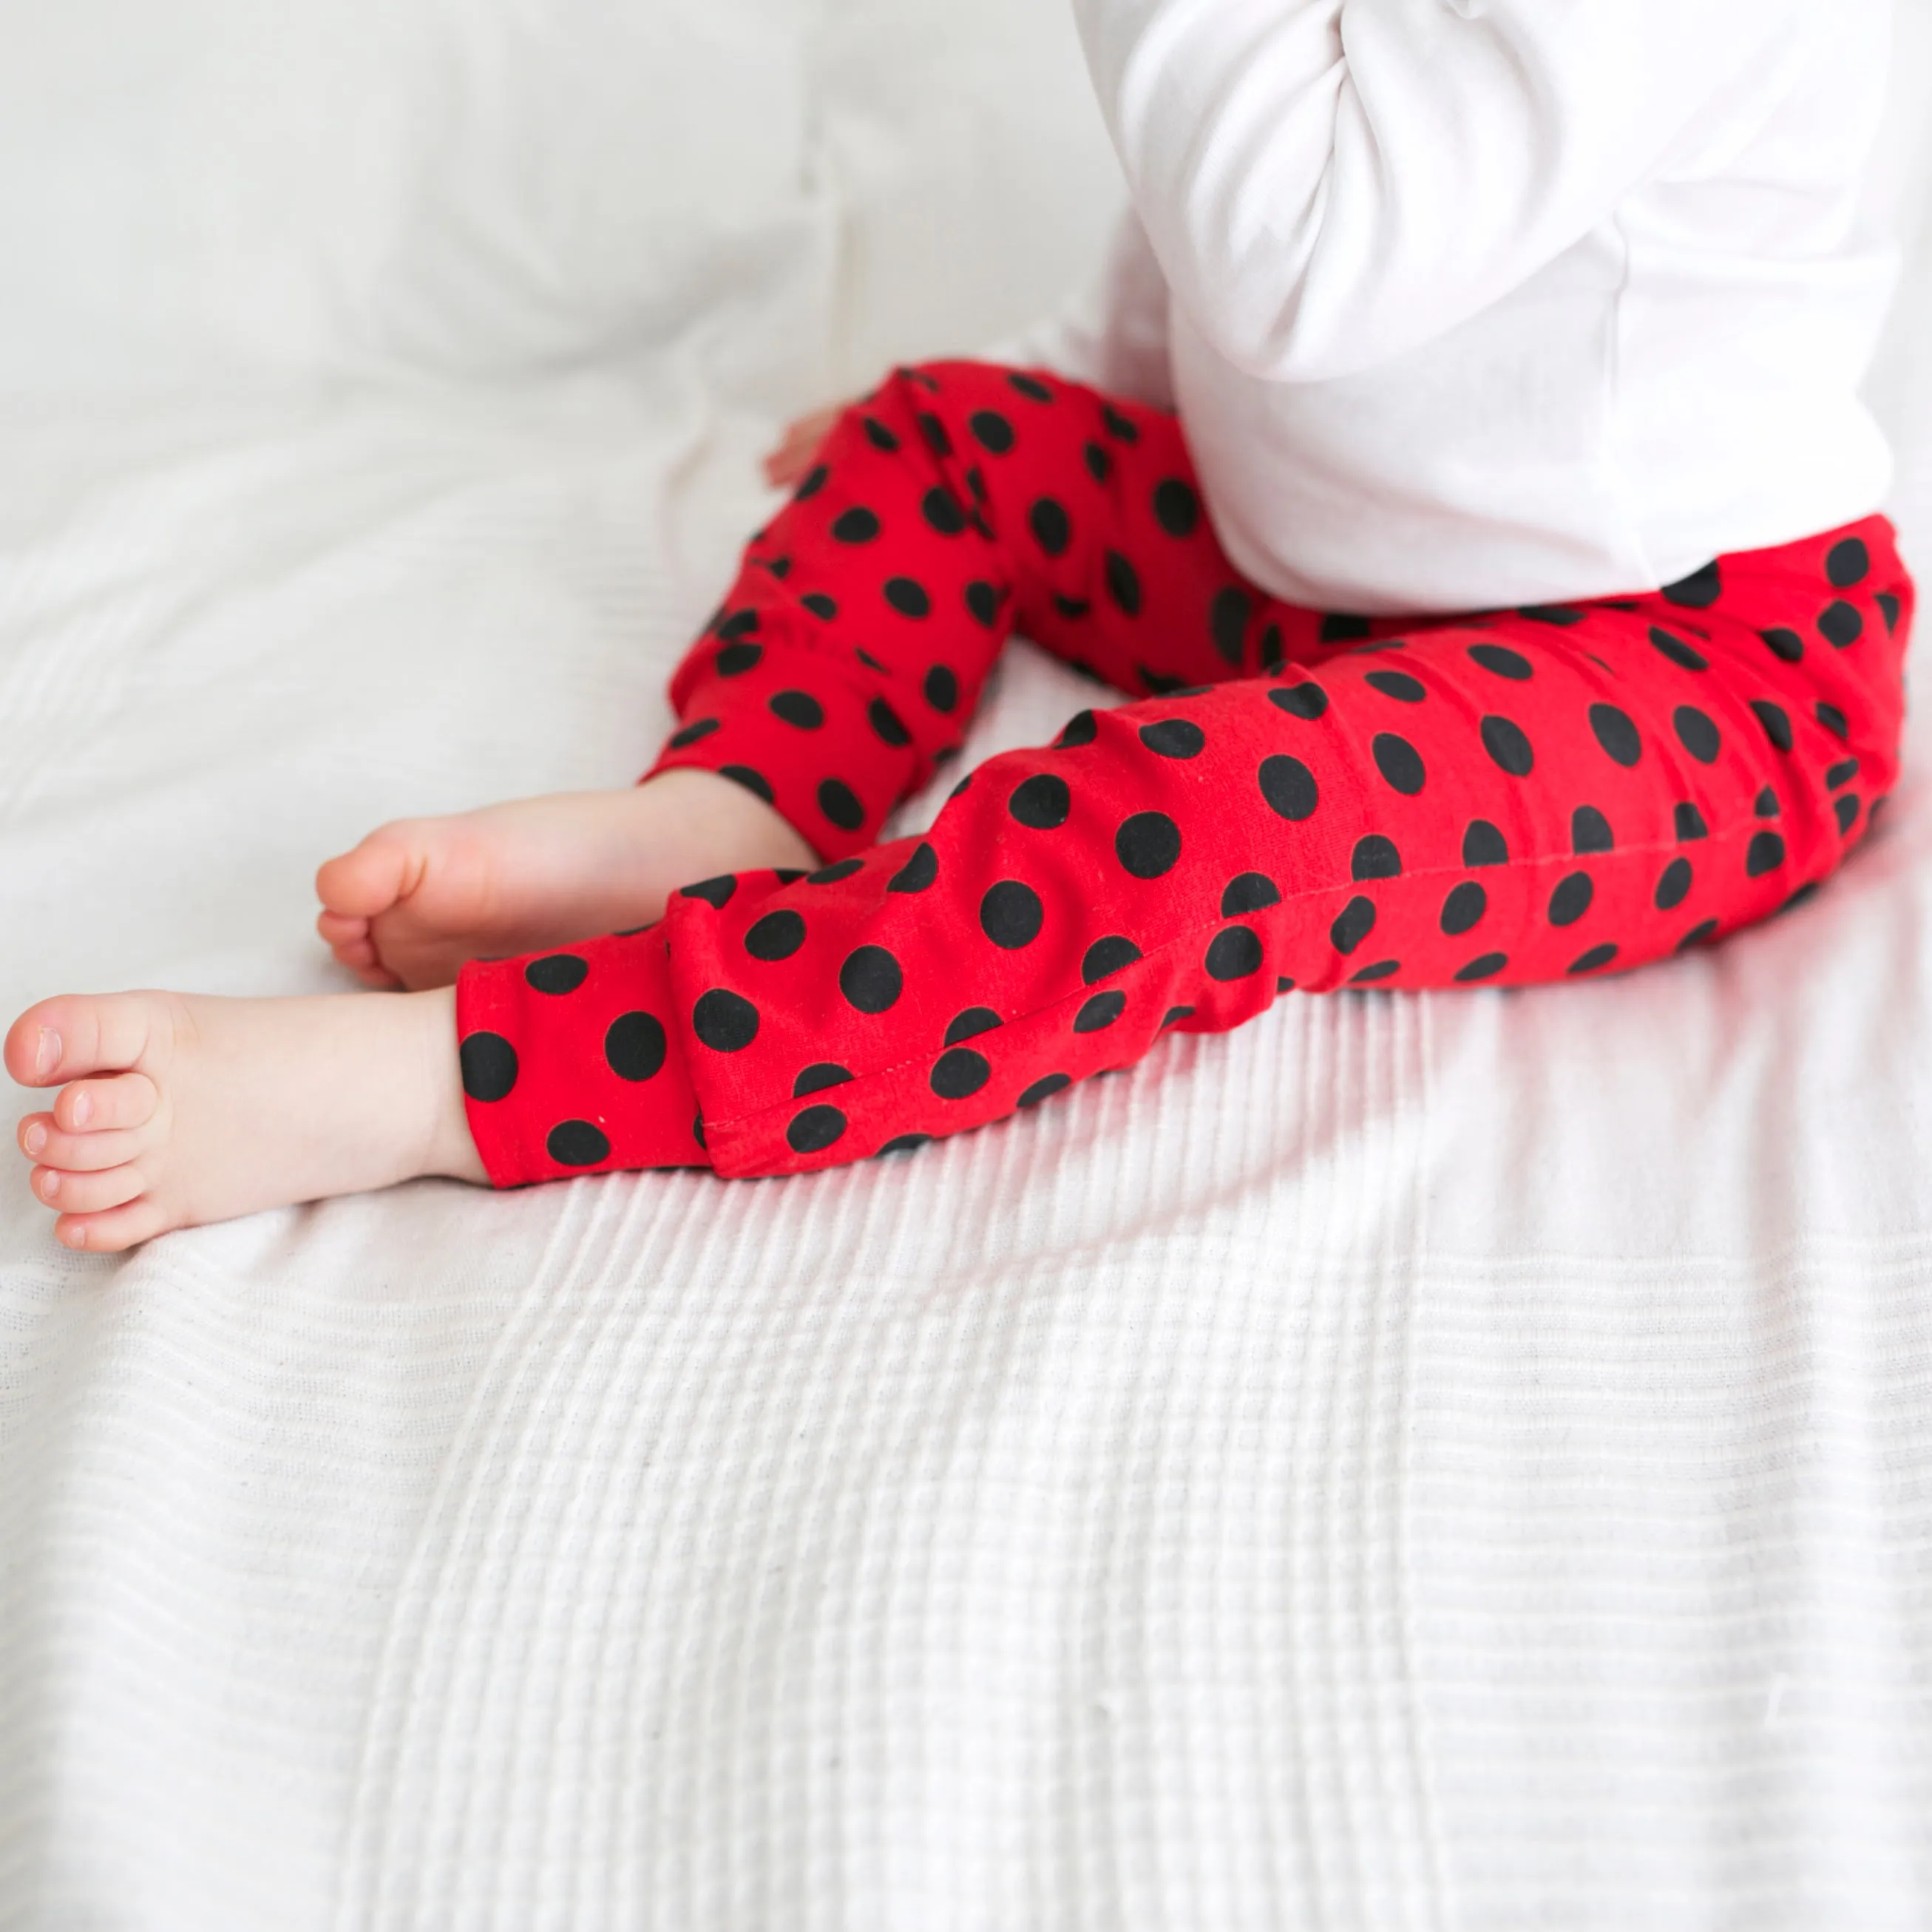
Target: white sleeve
{"type": "Point", "coordinates": [1329, 184]}
{"type": "Point", "coordinates": [1114, 334]}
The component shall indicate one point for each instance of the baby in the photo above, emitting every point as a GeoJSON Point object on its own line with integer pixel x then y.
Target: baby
{"type": "Point", "coordinates": [1465, 478]}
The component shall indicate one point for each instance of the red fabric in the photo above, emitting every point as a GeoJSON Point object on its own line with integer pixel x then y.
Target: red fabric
{"type": "Point", "coordinates": [1295, 800]}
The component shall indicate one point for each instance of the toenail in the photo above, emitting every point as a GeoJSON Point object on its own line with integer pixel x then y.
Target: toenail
{"type": "Point", "coordinates": [34, 1139]}
{"type": "Point", "coordinates": [50, 1185]}
{"type": "Point", "coordinates": [47, 1055]}
{"type": "Point", "coordinates": [82, 1109]}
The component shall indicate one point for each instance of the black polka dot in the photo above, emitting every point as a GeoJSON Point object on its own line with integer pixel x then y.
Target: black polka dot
{"type": "Point", "coordinates": [960, 1072]}
{"type": "Point", "coordinates": [1595, 960]}
{"type": "Point", "coordinates": [1787, 645]}
{"type": "Point", "coordinates": [840, 803]}
{"type": "Point", "coordinates": [918, 873]}
{"type": "Point", "coordinates": [1383, 969]}
{"type": "Point", "coordinates": [964, 785]}
{"type": "Point", "coordinates": [1698, 935]}
{"type": "Point", "coordinates": [1042, 802]}
{"type": "Point", "coordinates": [1560, 615]}
{"type": "Point", "coordinates": [1010, 915]}
{"type": "Point", "coordinates": [1356, 922]}
{"type": "Point", "coordinates": [1306, 699]}
{"type": "Point", "coordinates": [904, 1144]}
{"type": "Point", "coordinates": [1099, 1012]}
{"type": "Point", "coordinates": [1617, 733]}
{"type": "Point", "coordinates": [577, 1143]}
{"type": "Point", "coordinates": [1677, 650]}
{"type": "Point", "coordinates": [786, 875]}
{"type": "Point", "coordinates": [816, 1079]}
{"type": "Point", "coordinates": [856, 526]}
{"type": "Point", "coordinates": [1766, 854]}
{"type": "Point", "coordinates": [820, 605]}
{"type": "Point", "coordinates": [1889, 608]}
{"type": "Point", "coordinates": [1121, 428]}
{"type": "Point", "coordinates": [1176, 507]}
{"type": "Point", "coordinates": [1674, 888]}
{"type": "Point", "coordinates": [1099, 464]}
{"type": "Point", "coordinates": [1174, 1015]}
{"type": "Point", "coordinates": [1227, 618]}
{"type": "Point", "coordinates": [1124, 583]}
{"type": "Point", "coordinates": [1174, 738]}
{"type": "Point", "coordinates": [1233, 954]}
{"type": "Point", "coordinates": [1697, 733]}
{"type": "Point", "coordinates": [1484, 844]}
{"type": "Point", "coordinates": [1030, 387]}
{"type": "Point", "coordinates": [933, 430]}
{"type": "Point", "coordinates": [878, 435]}
{"type": "Point", "coordinates": [694, 733]}
{"type": "Point", "coordinates": [1344, 627]}
{"type": "Point", "coordinates": [1251, 892]}
{"type": "Point", "coordinates": [752, 782]}
{"type": "Point", "coordinates": [1590, 831]}
{"type": "Point", "coordinates": [1508, 747]}
{"type": "Point", "coordinates": [777, 936]}
{"type": "Point", "coordinates": [1398, 685]}
{"type": "Point", "coordinates": [830, 875]}
{"type": "Point", "coordinates": [982, 602]}
{"type": "Point", "coordinates": [1082, 728]}
{"type": "Point", "coordinates": [737, 624]}
{"type": "Point", "coordinates": [1849, 562]}
{"type": "Point", "coordinates": [1375, 857]}
{"type": "Point", "coordinates": [870, 980]}
{"type": "Point", "coordinates": [725, 1021]}
{"type": "Point", "coordinates": [1689, 823]}
{"type": "Point", "coordinates": [885, 721]}
{"type": "Point", "coordinates": [815, 480]}
{"type": "Point", "coordinates": [1274, 650]}
{"type": "Point", "coordinates": [1462, 910]}
{"type": "Point", "coordinates": [1503, 662]}
{"type": "Point", "coordinates": [866, 659]}
{"type": "Point", "coordinates": [716, 892]}
{"type": "Point", "coordinates": [1697, 591]}
{"type": "Point", "coordinates": [1052, 528]}
{"type": "Point", "coordinates": [1486, 967]}
{"type": "Point", "coordinates": [1834, 721]}
{"type": "Point", "coordinates": [942, 688]}
{"type": "Point", "coordinates": [489, 1064]}
{"type": "Point", "coordinates": [1841, 625]}
{"type": "Point", "coordinates": [1572, 899]}
{"type": "Point", "coordinates": [1767, 805]}
{"type": "Point", "coordinates": [734, 660]}
{"type": "Point", "coordinates": [969, 1024]}
{"type": "Point", "coordinates": [1842, 773]}
{"type": "Point", "coordinates": [797, 707]}
{"type": "Point", "coordinates": [941, 509]}
{"type": "Point", "coordinates": [815, 1130]}
{"type": "Point", "coordinates": [1148, 844]}
{"type": "Point", "coordinates": [1158, 683]}
{"type": "Point", "coordinates": [1399, 763]}
{"type": "Point", "coordinates": [1108, 955]}
{"type": "Point", "coordinates": [1044, 1090]}
{"type": "Point", "coordinates": [557, 972]}
{"type": "Point", "coordinates": [992, 431]}
{"type": "Point", "coordinates": [1846, 806]}
{"type": "Point", "coordinates": [909, 598]}
{"type": "Point", "coordinates": [1776, 721]}
{"type": "Point", "coordinates": [1284, 985]}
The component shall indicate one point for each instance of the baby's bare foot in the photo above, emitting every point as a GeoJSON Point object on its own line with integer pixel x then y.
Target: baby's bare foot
{"type": "Point", "coordinates": [178, 1109]}
{"type": "Point", "coordinates": [418, 897]}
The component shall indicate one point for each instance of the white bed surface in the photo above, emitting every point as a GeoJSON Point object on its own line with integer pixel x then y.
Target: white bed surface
{"type": "Point", "coordinates": [1442, 1461]}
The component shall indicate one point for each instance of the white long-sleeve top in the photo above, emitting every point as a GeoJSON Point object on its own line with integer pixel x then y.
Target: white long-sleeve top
{"type": "Point", "coordinates": [1468, 303]}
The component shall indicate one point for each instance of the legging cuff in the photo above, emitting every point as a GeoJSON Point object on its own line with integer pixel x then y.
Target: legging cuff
{"type": "Point", "coordinates": [594, 1082]}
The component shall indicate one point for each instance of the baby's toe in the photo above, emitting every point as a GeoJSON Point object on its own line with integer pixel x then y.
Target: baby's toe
{"type": "Point", "coordinates": [358, 884]}
{"type": "Point", "coordinates": [89, 1193]}
{"type": "Point", "coordinates": [339, 929]}
{"type": "Point", "coordinates": [42, 1140]}
{"type": "Point", "coordinates": [63, 1038]}
{"type": "Point", "coordinates": [114, 1228]}
{"type": "Point", "coordinates": [123, 1100]}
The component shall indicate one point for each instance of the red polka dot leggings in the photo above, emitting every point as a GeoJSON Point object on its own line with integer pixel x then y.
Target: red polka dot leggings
{"type": "Point", "coordinates": [1293, 800]}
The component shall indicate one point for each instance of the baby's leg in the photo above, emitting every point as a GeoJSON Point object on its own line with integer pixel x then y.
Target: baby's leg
{"type": "Point", "coordinates": [1532, 796]}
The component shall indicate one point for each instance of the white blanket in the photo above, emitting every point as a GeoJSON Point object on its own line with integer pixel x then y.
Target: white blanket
{"type": "Point", "coordinates": [1458, 1460]}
